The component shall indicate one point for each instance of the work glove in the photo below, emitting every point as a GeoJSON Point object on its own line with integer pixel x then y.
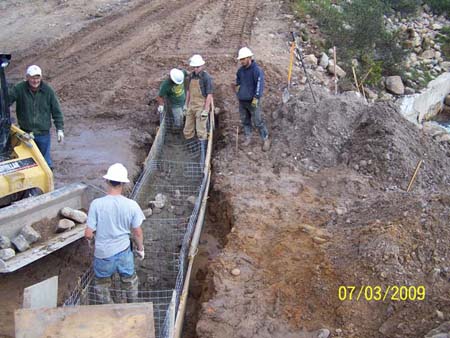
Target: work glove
{"type": "Point", "coordinates": [204, 113]}
{"type": "Point", "coordinates": [160, 109]}
{"type": "Point", "coordinates": [185, 108]}
{"type": "Point", "coordinates": [60, 135]}
{"type": "Point", "coordinates": [255, 103]}
{"type": "Point", "coordinates": [140, 254]}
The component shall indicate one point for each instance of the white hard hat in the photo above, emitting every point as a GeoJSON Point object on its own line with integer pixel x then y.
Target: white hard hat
{"type": "Point", "coordinates": [196, 61]}
{"type": "Point", "coordinates": [117, 172]}
{"type": "Point", "coordinates": [34, 70]}
{"type": "Point", "coordinates": [244, 52]}
{"type": "Point", "coordinates": [177, 76]}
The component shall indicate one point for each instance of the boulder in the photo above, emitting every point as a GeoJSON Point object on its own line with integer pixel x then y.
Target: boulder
{"type": "Point", "coordinates": [310, 59]}
{"type": "Point", "coordinates": [75, 215]}
{"type": "Point", "coordinates": [324, 60]}
{"type": "Point", "coordinates": [64, 224]}
{"type": "Point", "coordinates": [20, 243]}
{"type": "Point", "coordinates": [395, 85]}
{"type": "Point", "coordinates": [30, 234]}
{"type": "Point", "coordinates": [339, 71]}
{"type": "Point", "coordinates": [5, 242]}
{"type": "Point", "coordinates": [6, 254]}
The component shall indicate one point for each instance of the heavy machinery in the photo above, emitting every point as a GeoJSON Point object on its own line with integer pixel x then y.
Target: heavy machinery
{"type": "Point", "coordinates": [23, 170]}
{"type": "Point", "coordinates": [27, 195]}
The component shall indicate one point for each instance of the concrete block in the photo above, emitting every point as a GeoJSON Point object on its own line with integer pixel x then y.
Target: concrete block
{"type": "Point", "coordinates": [40, 295]}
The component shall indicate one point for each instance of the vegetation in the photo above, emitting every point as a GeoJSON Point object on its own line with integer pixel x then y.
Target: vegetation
{"type": "Point", "coordinates": [357, 29]}
{"type": "Point", "coordinates": [444, 39]}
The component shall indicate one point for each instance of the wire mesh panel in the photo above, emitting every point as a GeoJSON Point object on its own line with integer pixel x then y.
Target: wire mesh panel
{"type": "Point", "coordinates": [87, 294]}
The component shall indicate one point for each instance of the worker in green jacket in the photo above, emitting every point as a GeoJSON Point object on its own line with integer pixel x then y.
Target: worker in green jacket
{"type": "Point", "coordinates": [36, 105]}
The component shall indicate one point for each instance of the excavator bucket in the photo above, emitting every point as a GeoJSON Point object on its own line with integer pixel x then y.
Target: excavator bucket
{"type": "Point", "coordinates": [42, 213]}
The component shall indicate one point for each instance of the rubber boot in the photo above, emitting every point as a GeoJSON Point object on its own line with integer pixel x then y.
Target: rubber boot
{"type": "Point", "coordinates": [203, 146]}
{"type": "Point", "coordinates": [102, 291]}
{"type": "Point", "coordinates": [130, 285]}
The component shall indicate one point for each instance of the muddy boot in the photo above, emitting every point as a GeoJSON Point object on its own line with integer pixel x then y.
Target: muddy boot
{"type": "Point", "coordinates": [247, 141]}
{"type": "Point", "coordinates": [102, 291]}
{"type": "Point", "coordinates": [203, 146]}
{"type": "Point", "coordinates": [266, 145]}
{"type": "Point", "coordinates": [130, 285]}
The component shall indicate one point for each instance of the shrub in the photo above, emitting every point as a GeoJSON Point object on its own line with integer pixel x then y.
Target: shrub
{"type": "Point", "coordinates": [405, 7]}
{"type": "Point", "coordinates": [439, 6]}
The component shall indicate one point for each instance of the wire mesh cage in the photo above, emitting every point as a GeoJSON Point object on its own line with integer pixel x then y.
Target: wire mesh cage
{"type": "Point", "coordinates": [173, 189]}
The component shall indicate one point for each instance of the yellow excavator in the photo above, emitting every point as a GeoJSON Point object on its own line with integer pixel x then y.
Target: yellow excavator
{"type": "Point", "coordinates": [23, 170]}
{"type": "Point", "coordinates": [27, 195]}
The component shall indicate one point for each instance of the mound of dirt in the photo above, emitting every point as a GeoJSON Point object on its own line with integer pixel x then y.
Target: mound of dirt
{"type": "Point", "coordinates": [327, 209]}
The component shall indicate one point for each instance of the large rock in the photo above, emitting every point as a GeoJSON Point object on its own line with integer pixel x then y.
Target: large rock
{"type": "Point", "coordinates": [30, 234]}
{"type": "Point", "coordinates": [324, 60]}
{"type": "Point", "coordinates": [311, 60]}
{"type": "Point", "coordinates": [73, 214]}
{"type": "Point", "coordinates": [5, 242]}
{"type": "Point", "coordinates": [332, 69]}
{"type": "Point", "coordinates": [64, 224]}
{"type": "Point", "coordinates": [395, 85]}
{"type": "Point", "coordinates": [429, 54]}
{"type": "Point", "coordinates": [20, 243]}
{"type": "Point", "coordinates": [6, 254]}
{"type": "Point", "coordinates": [440, 332]}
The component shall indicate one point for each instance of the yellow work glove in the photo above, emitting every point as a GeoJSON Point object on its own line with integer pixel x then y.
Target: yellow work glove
{"type": "Point", "coordinates": [255, 102]}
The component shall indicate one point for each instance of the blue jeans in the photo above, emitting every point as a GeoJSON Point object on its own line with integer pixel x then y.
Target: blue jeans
{"type": "Point", "coordinates": [248, 114]}
{"type": "Point", "coordinates": [43, 142]}
{"type": "Point", "coordinates": [122, 262]}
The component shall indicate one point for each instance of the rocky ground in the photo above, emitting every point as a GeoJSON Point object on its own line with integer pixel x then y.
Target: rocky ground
{"type": "Point", "coordinates": [326, 207]}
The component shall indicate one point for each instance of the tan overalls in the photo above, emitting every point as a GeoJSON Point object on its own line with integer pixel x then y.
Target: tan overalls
{"type": "Point", "coordinates": [194, 120]}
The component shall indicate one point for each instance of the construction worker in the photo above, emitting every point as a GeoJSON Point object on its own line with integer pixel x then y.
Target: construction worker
{"type": "Point", "coordinates": [199, 101]}
{"type": "Point", "coordinates": [114, 218]}
{"type": "Point", "coordinates": [250, 87]}
{"type": "Point", "coordinates": [36, 105]}
{"type": "Point", "coordinates": [173, 91]}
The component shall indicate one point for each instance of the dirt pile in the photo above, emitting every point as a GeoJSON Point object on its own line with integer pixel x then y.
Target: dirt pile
{"type": "Point", "coordinates": [324, 211]}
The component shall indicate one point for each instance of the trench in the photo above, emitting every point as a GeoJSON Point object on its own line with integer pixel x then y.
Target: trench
{"type": "Point", "coordinates": [173, 183]}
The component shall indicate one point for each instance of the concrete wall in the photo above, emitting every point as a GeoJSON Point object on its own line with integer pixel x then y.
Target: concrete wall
{"type": "Point", "coordinates": [419, 107]}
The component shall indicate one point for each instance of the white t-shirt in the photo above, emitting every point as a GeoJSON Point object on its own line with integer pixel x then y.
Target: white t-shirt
{"type": "Point", "coordinates": [113, 217]}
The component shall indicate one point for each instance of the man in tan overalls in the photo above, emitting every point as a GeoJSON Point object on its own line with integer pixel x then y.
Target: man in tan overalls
{"type": "Point", "coordinates": [199, 100]}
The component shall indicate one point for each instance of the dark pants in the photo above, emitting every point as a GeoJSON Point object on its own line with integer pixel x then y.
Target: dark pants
{"type": "Point", "coordinates": [248, 114]}
{"type": "Point", "coordinates": [43, 143]}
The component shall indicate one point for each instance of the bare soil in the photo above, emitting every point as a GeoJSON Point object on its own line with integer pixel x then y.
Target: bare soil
{"type": "Point", "coordinates": [325, 208]}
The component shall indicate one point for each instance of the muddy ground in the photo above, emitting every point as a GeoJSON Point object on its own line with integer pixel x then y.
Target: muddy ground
{"type": "Point", "coordinates": [326, 207]}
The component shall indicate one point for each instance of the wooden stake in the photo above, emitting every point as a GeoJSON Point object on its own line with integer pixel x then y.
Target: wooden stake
{"type": "Point", "coordinates": [413, 178]}
{"type": "Point", "coordinates": [335, 75]}
{"type": "Point", "coordinates": [356, 79]}
{"type": "Point", "coordinates": [237, 139]}
{"type": "Point", "coordinates": [364, 92]}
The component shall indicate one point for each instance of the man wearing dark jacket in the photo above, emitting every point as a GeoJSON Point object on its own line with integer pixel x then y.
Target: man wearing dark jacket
{"type": "Point", "coordinates": [36, 105]}
{"type": "Point", "coordinates": [250, 87]}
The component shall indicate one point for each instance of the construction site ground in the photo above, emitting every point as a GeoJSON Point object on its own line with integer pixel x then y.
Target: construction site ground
{"type": "Point", "coordinates": [325, 208]}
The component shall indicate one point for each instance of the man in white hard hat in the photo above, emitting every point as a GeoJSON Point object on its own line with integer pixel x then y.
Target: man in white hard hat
{"type": "Point", "coordinates": [250, 88]}
{"type": "Point", "coordinates": [115, 218]}
{"type": "Point", "coordinates": [172, 89]}
{"type": "Point", "coordinates": [199, 101]}
{"type": "Point", "coordinates": [36, 106]}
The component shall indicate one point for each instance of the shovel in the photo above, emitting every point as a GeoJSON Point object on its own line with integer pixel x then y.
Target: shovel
{"type": "Point", "coordinates": [286, 94]}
